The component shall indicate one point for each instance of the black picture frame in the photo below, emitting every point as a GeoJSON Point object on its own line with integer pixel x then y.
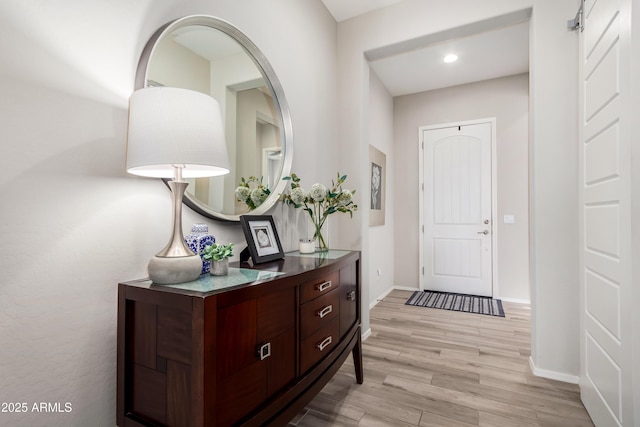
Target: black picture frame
{"type": "Point", "coordinates": [262, 238]}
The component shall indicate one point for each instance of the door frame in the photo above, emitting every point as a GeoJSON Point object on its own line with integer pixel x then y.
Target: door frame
{"type": "Point", "coordinates": [494, 199]}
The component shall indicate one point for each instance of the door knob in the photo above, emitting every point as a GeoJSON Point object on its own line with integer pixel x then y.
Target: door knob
{"type": "Point", "coordinates": [485, 232]}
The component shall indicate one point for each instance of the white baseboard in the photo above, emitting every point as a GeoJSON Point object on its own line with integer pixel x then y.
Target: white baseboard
{"type": "Point", "coordinates": [405, 288]}
{"type": "Point", "coordinates": [552, 375]}
{"type": "Point", "coordinates": [366, 334]}
{"type": "Point", "coordinates": [380, 298]}
{"type": "Point", "coordinates": [516, 300]}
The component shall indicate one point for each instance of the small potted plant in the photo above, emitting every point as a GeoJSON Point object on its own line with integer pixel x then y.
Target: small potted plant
{"type": "Point", "coordinates": [219, 256]}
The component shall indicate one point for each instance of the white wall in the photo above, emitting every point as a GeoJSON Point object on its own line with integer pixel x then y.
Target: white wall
{"type": "Point", "coordinates": [176, 66]}
{"type": "Point", "coordinates": [73, 224]}
{"type": "Point", "coordinates": [506, 99]}
{"type": "Point", "coordinates": [554, 191]}
{"type": "Point", "coordinates": [382, 247]}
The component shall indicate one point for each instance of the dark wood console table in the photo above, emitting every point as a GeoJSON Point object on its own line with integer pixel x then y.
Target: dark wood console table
{"type": "Point", "coordinates": [249, 349]}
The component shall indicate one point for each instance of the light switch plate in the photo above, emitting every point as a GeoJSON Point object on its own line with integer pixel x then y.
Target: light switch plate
{"type": "Point", "coordinates": [509, 219]}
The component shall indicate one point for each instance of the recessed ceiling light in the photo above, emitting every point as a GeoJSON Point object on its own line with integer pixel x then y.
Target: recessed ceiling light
{"type": "Point", "coordinates": [451, 58]}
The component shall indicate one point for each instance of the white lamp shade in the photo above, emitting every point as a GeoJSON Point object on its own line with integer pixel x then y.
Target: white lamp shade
{"type": "Point", "coordinates": [172, 126]}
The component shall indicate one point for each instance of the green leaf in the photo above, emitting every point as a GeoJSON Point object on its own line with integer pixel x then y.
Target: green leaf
{"type": "Point", "coordinates": [217, 251]}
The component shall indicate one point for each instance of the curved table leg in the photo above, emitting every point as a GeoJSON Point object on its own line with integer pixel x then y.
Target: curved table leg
{"type": "Point", "coordinates": [357, 359]}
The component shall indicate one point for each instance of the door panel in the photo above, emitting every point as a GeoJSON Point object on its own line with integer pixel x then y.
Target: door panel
{"type": "Point", "coordinates": [457, 257]}
{"type": "Point", "coordinates": [457, 189]}
{"type": "Point", "coordinates": [457, 213]}
{"type": "Point", "coordinates": [605, 223]}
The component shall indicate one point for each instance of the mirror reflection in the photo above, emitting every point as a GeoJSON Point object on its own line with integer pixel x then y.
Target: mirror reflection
{"type": "Point", "coordinates": [201, 56]}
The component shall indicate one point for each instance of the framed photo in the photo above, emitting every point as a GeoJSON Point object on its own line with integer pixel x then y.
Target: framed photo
{"type": "Point", "coordinates": [262, 238]}
{"type": "Point", "coordinates": [378, 165]}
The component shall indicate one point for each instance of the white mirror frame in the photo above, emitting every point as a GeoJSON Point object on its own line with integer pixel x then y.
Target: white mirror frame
{"type": "Point", "coordinates": [271, 80]}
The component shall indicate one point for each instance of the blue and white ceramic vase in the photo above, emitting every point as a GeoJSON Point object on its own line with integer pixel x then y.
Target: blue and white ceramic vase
{"type": "Point", "coordinates": [197, 240]}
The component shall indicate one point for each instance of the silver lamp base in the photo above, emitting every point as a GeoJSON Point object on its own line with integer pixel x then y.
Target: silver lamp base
{"type": "Point", "coordinates": [171, 270]}
{"type": "Point", "coordinates": [176, 263]}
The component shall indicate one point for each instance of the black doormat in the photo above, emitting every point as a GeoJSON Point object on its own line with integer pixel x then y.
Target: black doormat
{"type": "Point", "coordinates": [457, 302]}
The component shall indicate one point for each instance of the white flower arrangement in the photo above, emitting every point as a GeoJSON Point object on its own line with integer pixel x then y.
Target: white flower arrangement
{"type": "Point", "coordinates": [318, 192]}
{"type": "Point", "coordinates": [252, 192]}
{"type": "Point", "coordinates": [320, 202]}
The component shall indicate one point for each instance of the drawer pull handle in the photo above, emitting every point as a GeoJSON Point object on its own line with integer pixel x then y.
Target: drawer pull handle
{"type": "Point", "coordinates": [322, 286]}
{"type": "Point", "coordinates": [328, 340]}
{"type": "Point", "coordinates": [328, 309]}
{"type": "Point", "coordinates": [264, 351]}
{"type": "Point", "coordinates": [351, 296]}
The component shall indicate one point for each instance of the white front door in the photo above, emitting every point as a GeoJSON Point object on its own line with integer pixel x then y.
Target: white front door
{"type": "Point", "coordinates": [457, 243]}
{"type": "Point", "coordinates": [607, 131]}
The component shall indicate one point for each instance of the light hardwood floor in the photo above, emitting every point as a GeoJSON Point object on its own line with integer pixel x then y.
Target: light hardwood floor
{"type": "Point", "coordinates": [429, 367]}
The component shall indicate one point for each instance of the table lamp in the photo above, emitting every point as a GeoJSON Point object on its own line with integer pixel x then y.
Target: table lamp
{"type": "Point", "coordinates": [175, 133]}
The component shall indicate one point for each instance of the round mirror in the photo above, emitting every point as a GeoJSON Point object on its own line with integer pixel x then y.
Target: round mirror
{"type": "Point", "coordinates": [211, 56]}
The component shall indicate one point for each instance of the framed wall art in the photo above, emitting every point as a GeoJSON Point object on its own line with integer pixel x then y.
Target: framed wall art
{"type": "Point", "coordinates": [377, 174]}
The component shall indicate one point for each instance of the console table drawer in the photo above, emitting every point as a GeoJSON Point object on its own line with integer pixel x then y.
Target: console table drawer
{"type": "Point", "coordinates": [318, 345]}
{"type": "Point", "coordinates": [323, 285]}
{"type": "Point", "coordinates": [318, 312]}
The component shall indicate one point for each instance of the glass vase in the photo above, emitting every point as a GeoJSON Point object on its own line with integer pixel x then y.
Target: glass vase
{"type": "Point", "coordinates": [321, 236]}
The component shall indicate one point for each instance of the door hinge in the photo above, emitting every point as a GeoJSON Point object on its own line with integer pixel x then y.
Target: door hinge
{"type": "Point", "coordinates": [577, 23]}
{"type": "Point", "coordinates": [423, 271]}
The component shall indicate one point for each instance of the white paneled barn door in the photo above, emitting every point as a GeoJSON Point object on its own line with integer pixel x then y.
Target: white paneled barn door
{"type": "Point", "coordinates": [606, 378]}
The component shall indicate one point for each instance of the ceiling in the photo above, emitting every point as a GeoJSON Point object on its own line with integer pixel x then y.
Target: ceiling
{"type": "Point", "coordinates": [345, 9]}
{"type": "Point", "coordinates": [490, 49]}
